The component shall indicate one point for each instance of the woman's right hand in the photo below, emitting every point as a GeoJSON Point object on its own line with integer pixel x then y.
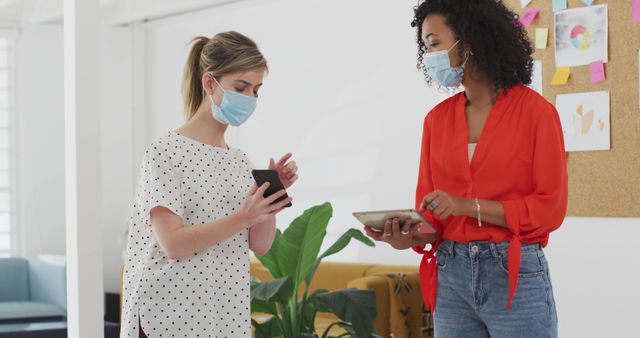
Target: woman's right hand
{"type": "Point", "coordinates": [258, 209]}
{"type": "Point", "coordinates": [399, 237]}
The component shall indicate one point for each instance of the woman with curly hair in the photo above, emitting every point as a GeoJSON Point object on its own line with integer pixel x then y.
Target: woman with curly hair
{"type": "Point", "coordinates": [492, 177]}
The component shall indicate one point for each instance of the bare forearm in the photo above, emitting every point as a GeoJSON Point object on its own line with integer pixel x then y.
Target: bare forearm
{"type": "Point", "coordinates": [186, 241]}
{"type": "Point", "coordinates": [261, 236]}
{"type": "Point", "coordinates": [490, 211]}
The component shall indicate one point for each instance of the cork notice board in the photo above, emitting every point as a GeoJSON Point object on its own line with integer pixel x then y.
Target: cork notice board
{"type": "Point", "coordinates": [601, 183]}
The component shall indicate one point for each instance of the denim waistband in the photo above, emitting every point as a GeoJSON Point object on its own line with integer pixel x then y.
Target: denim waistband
{"type": "Point", "coordinates": [482, 248]}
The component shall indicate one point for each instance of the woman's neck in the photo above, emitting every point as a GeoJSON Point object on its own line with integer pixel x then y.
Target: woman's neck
{"type": "Point", "coordinates": [480, 92]}
{"type": "Point", "coordinates": [204, 128]}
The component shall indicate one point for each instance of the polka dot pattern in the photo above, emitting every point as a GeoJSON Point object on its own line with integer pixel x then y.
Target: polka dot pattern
{"type": "Point", "coordinates": [205, 294]}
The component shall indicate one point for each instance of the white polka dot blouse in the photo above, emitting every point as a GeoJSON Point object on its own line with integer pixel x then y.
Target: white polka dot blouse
{"type": "Point", "coordinates": [205, 294]}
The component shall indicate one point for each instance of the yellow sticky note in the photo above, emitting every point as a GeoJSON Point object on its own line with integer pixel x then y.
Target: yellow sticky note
{"type": "Point", "coordinates": [562, 76]}
{"type": "Point", "coordinates": [541, 37]}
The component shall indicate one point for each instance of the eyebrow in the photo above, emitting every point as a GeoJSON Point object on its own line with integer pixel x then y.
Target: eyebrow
{"type": "Point", "coordinates": [247, 83]}
{"type": "Point", "coordinates": [428, 35]}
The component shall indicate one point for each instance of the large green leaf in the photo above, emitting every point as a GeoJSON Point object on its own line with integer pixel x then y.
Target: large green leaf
{"type": "Point", "coordinates": [354, 306]}
{"type": "Point", "coordinates": [278, 290]}
{"type": "Point", "coordinates": [269, 259]}
{"type": "Point", "coordinates": [340, 244]}
{"type": "Point", "coordinates": [308, 309]}
{"type": "Point", "coordinates": [268, 329]}
{"type": "Point", "coordinates": [300, 244]}
{"type": "Point", "coordinates": [258, 305]}
{"type": "Point", "coordinates": [349, 329]}
{"type": "Point", "coordinates": [313, 298]}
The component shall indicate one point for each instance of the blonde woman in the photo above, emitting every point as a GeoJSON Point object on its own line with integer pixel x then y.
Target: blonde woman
{"type": "Point", "coordinates": [197, 211]}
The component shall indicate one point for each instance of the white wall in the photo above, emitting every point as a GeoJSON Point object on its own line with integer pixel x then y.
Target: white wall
{"type": "Point", "coordinates": [41, 140]}
{"type": "Point", "coordinates": [595, 273]}
{"type": "Point", "coordinates": [41, 145]}
{"type": "Point", "coordinates": [117, 130]}
{"type": "Point", "coordinates": [343, 94]}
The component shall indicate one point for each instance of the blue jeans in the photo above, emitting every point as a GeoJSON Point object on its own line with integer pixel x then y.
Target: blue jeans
{"type": "Point", "coordinates": [473, 289]}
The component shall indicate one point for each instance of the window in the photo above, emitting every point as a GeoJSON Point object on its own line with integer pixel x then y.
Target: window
{"type": "Point", "coordinates": [7, 190]}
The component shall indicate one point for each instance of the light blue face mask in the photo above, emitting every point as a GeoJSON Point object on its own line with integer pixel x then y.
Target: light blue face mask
{"type": "Point", "coordinates": [439, 68]}
{"type": "Point", "coordinates": [235, 108]}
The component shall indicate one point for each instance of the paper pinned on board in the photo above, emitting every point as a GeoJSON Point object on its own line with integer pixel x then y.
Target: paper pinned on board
{"type": "Point", "coordinates": [581, 36]}
{"type": "Point", "coordinates": [542, 36]}
{"type": "Point", "coordinates": [596, 71]}
{"type": "Point", "coordinates": [528, 16]}
{"type": "Point", "coordinates": [585, 120]}
{"type": "Point", "coordinates": [561, 76]}
{"type": "Point", "coordinates": [536, 77]}
{"type": "Point", "coordinates": [559, 5]}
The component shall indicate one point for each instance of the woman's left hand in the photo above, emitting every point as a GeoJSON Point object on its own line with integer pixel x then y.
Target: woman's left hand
{"type": "Point", "coordinates": [287, 171]}
{"type": "Point", "coordinates": [443, 204]}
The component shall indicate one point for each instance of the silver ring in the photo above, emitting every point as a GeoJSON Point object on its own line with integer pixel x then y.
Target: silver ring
{"type": "Point", "coordinates": [434, 205]}
{"type": "Point", "coordinates": [386, 234]}
{"type": "Point", "coordinates": [405, 233]}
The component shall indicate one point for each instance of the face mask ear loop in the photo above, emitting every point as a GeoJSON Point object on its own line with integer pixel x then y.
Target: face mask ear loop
{"type": "Point", "coordinates": [219, 85]}
{"type": "Point", "coordinates": [466, 59]}
{"type": "Point", "coordinates": [450, 48]}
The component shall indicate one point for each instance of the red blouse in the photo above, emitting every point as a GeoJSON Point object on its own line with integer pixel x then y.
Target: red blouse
{"type": "Point", "coordinates": [519, 161]}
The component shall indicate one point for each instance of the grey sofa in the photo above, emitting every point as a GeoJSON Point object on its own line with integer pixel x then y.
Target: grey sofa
{"type": "Point", "coordinates": [33, 289]}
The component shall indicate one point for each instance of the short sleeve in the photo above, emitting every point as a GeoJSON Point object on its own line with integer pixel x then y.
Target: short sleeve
{"type": "Point", "coordinates": [250, 163]}
{"type": "Point", "coordinates": [159, 182]}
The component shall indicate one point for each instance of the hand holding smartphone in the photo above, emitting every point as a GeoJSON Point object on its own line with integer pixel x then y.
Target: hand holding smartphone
{"type": "Point", "coordinates": [262, 176]}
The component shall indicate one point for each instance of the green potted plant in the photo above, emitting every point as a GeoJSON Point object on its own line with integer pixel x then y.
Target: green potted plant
{"type": "Point", "coordinates": [292, 261]}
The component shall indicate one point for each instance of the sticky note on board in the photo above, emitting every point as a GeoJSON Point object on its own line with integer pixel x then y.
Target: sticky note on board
{"type": "Point", "coordinates": [587, 2]}
{"type": "Point", "coordinates": [559, 5]}
{"type": "Point", "coordinates": [561, 76]}
{"type": "Point", "coordinates": [528, 16]}
{"type": "Point", "coordinates": [596, 70]}
{"type": "Point", "coordinates": [542, 35]}
{"type": "Point", "coordinates": [524, 3]}
{"type": "Point", "coordinates": [635, 9]}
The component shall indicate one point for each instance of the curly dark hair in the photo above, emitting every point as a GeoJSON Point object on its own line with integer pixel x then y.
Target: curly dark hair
{"type": "Point", "coordinates": [500, 45]}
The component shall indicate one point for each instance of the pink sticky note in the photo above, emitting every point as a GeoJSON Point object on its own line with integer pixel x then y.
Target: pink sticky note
{"type": "Point", "coordinates": [636, 10]}
{"type": "Point", "coordinates": [528, 16]}
{"type": "Point", "coordinates": [596, 69]}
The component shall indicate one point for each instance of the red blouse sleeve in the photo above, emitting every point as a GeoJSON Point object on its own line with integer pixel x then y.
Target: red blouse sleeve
{"type": "Point", "coordinates": [425, 182]}
{"type": "Point", "coordinates": [428, 272]}
{"type": "Point", "coordinates": [544, 209]}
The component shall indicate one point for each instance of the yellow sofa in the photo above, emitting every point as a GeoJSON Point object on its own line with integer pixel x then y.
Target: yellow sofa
{"type": "Point", "coordinates": [334, 276]}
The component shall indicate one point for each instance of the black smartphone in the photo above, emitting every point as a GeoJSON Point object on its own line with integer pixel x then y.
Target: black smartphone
{"type": "Point", "coordinates": [267, 175]}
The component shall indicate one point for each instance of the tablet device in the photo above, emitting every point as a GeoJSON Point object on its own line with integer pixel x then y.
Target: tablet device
{"type": "Point", "coordinates": [376, 219]}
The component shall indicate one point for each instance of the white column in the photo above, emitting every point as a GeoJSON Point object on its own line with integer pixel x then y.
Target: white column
{"type": "Point", "coordinates": [85, 310]}
{"type": "Point", "coordinates": [139, 120]}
